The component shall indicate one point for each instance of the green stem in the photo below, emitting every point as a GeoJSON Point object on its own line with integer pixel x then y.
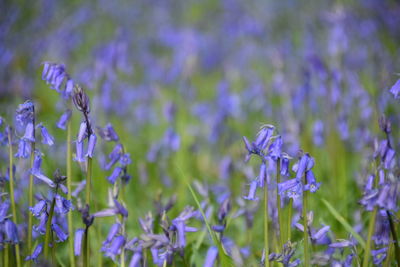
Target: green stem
{"type": "Point", "coordinates": [394, 236]}
{"type": "Point", "coordinates": [305, 230]}
{"type": "Point", "coordinates": [278, 201]}
{"type": "Point", "coordinates": [53, 249]}
{"type": "Point", "coordinates": [48, 227]}
{"type": "Point", "coordinates": [6, 262]}
{"type": "Point", "coordinates": [14, 210]}
{"type": "Point", "coordinates": [289, 224]}
{"type": "Point", "coordinates": [88, 180]}
{"type": "Point", "coordinates": [30, 197]}
{"type": "Point", "coordinates": [86, 248]}
{"type": "Point", "coordinates": [266, 246]}
{"type": "Point", "coordinates": [370, 232]}
{"type": "Point", "coordinates": [69, 181]}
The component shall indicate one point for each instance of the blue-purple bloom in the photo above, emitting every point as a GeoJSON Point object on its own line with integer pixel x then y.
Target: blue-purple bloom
{"type": "Point", "coordinates": [11, 232]}
{"type": "Point", "coordinates": [35, 254]}
{"type": "Point", "coordinates": [38, 208]}
{"type": "Point", "coordinates": [59, 232]}
{"type": "Point", "coordinates": [24, 149]}
{"type": "Point", "coordinates": [91, 145]}
{"type": "Point", "coordinates": [65, 117]}
{"type": "Point", "coordinates": [47, 139]}
{"type": "Point", "coordinates": [114, 175]}
{"type": "Point", "coordinates": [78, 241]}
{"type": "Point", "coordinates": [79, 152]}
{"type": "Point", "coordinates": [29, 135]}
{"type": "Point", "coordinates": [395, 90]}
{"type": "Point", "coordinates": [108, 133]}
{"type": "Point", "coordinates": [37, 172]}
{"type": "Point", "coordinates": [252, 191]}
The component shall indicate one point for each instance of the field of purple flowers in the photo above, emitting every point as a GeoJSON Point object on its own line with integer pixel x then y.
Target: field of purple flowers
{"type": "Point", "coordinates": [199, 133]}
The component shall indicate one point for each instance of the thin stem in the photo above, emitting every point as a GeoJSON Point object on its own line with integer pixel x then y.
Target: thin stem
{"type": "Point", "coordinates": [6, 262]}
{"type": "Point", "coordinates": [30, 197]}
{"type": "Point", "coordinates": [14, 211]}
{"type": "Point", "coordinates": [370, 232]}
{"type": "Point", "coordinates": [266, 246]}
{"type": "Point", "coordinates": [289, 225]}
{"type": "Point", "coordinates": [278, 201]}
{"type": "Point", "coordinates": [305, 230]}
{"type": "Point", "coordinates": [69, 181]}
{"type": "Point", "coordinates": [86, 248]}
{"type": "Point", "coordinates": [48, 227]}
{"type": "Point", "coordinates": [88, 180]}
{"type": "Point", "coordinates": [394, 236]}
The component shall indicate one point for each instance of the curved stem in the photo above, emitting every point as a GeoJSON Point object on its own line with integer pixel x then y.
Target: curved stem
{"type": "Point", "coordinates": [394, 236]}
{"type": "Point", "coordinates": [12, 198]}
{"type": "Point", "coordinates": [266, 246]}
{"type": "Point", "coordinates": [370, 232]}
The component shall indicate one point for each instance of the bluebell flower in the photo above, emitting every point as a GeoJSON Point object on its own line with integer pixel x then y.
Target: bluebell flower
{"type": "Point", "coordinates": [305, 164]}
{"type": "Point", "coordinates": [112, 233]}
{"type": "Point", "coordinates": [116, 247]}
{"type": "Point", "coordinates": [24, 149]}
{"type": "Point", "coordinates": [285, 164]}
{"type": "Point", "coordinates": [69, 88]}
{"type": "Point", "coordinates": [262, 177]}
{"type": "Point", "coordinates": [114, 175]}
{"type": "Point", "coordinates": [25, 112]}
{"type": "Point", "coordinates": [35, 254]}
{"type": "Point", "coordinates": [264, 136]}
{"type": "Point", "coordinates": [4, 207]}
{"type": "Point", "coordinates": [382, 229]}
{"type": "Point", "coordinates": [38, 208]}
{"type": "Point", "coordinates": [379, 255]}
{"type": "Point", "coordinates": [275, 149]}
{"type": "Point", "coordinates": [59, 232]}
{"type": "Point", "coordinates": [395, 90]}
{"type": "Point", "coordinates": [62, 205]}
{"type": "Point", "coordinates": [41, 227]}
{"type": "Point", "coordinates": [65, 117]}
{"type": "Point", "coordinates": [11, 231]}
{"type": "Point", "coordinates": [47, 139]}
{"type": "Point", "coordinates": [292, 188]}
{"type": "Point", "coordinates": [311, 185]}
{"type": "Point", "coordinates": [114, 156]}
{"type": "Point", "coordinates": [108, 133]}
{"type": "Point", "coordinates": [252, 191]}
{"type": "Point", "coordinates": [125, 160]}
{"type": "Point", "coordinates": [37, 172]}
{"type": "Point", "coordinates": [82, 134]}
{"type": "Point", "coordinates": [79, 152]}
{"type": "Point", "coordinates": [91, 145]}
{"type": "Point", "coordinates": [79, 233]}
{"type": "Point", "coordinates": [211, 256]}
{"type": "Point", "coordinates": [29, 133]}
{"type": "Point", "coordinates": [136, 259]}
{"type": "Point", "coordinates": [342, 244]}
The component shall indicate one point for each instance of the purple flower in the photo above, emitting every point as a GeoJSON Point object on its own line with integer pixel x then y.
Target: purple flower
{"type": "Point", "coordinates": [311, 185]}
{"type": "Point", "coordinates": [108, 133]}
{"type": "Point", "coordinates": [395, 90]}
{"type": "Point", "coordinates": [37, 172]}
{"type": "Point", "coordinates": [285, 164]}
{"type": "Point", "coordinates": [38, 208]}
{"type": "Point", "coordinates": [79, 152]}
{"type": "Point", "coordinates": [114, 175]}
{"type": "Point", "coordinates": [135, 260]}
{"type": "Point", "coordinates": [11, 232]}
{"type": "Point", "coordinates": [59, 232]}
{"type": "Point", "coordinates": [262, 177]}
{"type": "Point", "coordinates": [41, 227]}
{"type": "Point", "coordinates": [24, 149]}
{"type": "Point", "coordinates": [211, 256]}
{"type": "Point", "coordinates": [379, 255]}
{"type": "Point", "coordinates": [112, 233]}
{"type": "Point", "coordinates": [4, 207]}
{"type": "Point", "coordinates": [114, 156]}
{"type": "Point", "coordinates": [91, 145]}
{"type": "Point", "coordinates": [115, 247]}
{"type": "Point", "coordinates": [382, 229]}
{"type": "Point", "coordinates": [342, 244]}
{"type": "Point", "coordinates": [275, 149]}
{"type": "Point", "coordinates": [264, 136]}
{"type": "Point", "coordinates": [62, 206]}
{"type": "Point", "coordinates": [64, 119]}
{"type": "Point", "coordinates": [36, 253]}
{"type": "Point", "coordinates": [47, 139]}
{"type": "Point", "coordinates": [305, 164]}
{"type": "Point", "coordinates": [78, 241]}
{"type": "Point", "coordinates": [252, 191]}
{"type": "Point", "coordinates": [25, 112]}
{"type": "Point", "coordinates": [29, 133]}
{"type": "Point", "coordinates": [292, 188]}
{"type": "Point", "coordinates": [82, 131]}
{"type": "Point", "coordinates": [125, 160]}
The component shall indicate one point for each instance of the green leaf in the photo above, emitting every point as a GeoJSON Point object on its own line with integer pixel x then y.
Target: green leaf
{"type": "Point", "coordinates": [225, 260]}
{"type": "Point", "coordinates": [344, 223]}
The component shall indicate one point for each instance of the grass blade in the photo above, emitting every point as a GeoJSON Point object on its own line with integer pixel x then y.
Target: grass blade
{"type": "Point", "coordinates": [344, 223]}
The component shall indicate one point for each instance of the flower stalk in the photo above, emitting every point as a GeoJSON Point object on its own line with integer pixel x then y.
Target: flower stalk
{"type": "Point", "coordinates": [266, 246]}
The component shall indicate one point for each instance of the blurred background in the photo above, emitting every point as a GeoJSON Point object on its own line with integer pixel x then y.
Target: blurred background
{"type": "Point", "coordinates": [183, 81]}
